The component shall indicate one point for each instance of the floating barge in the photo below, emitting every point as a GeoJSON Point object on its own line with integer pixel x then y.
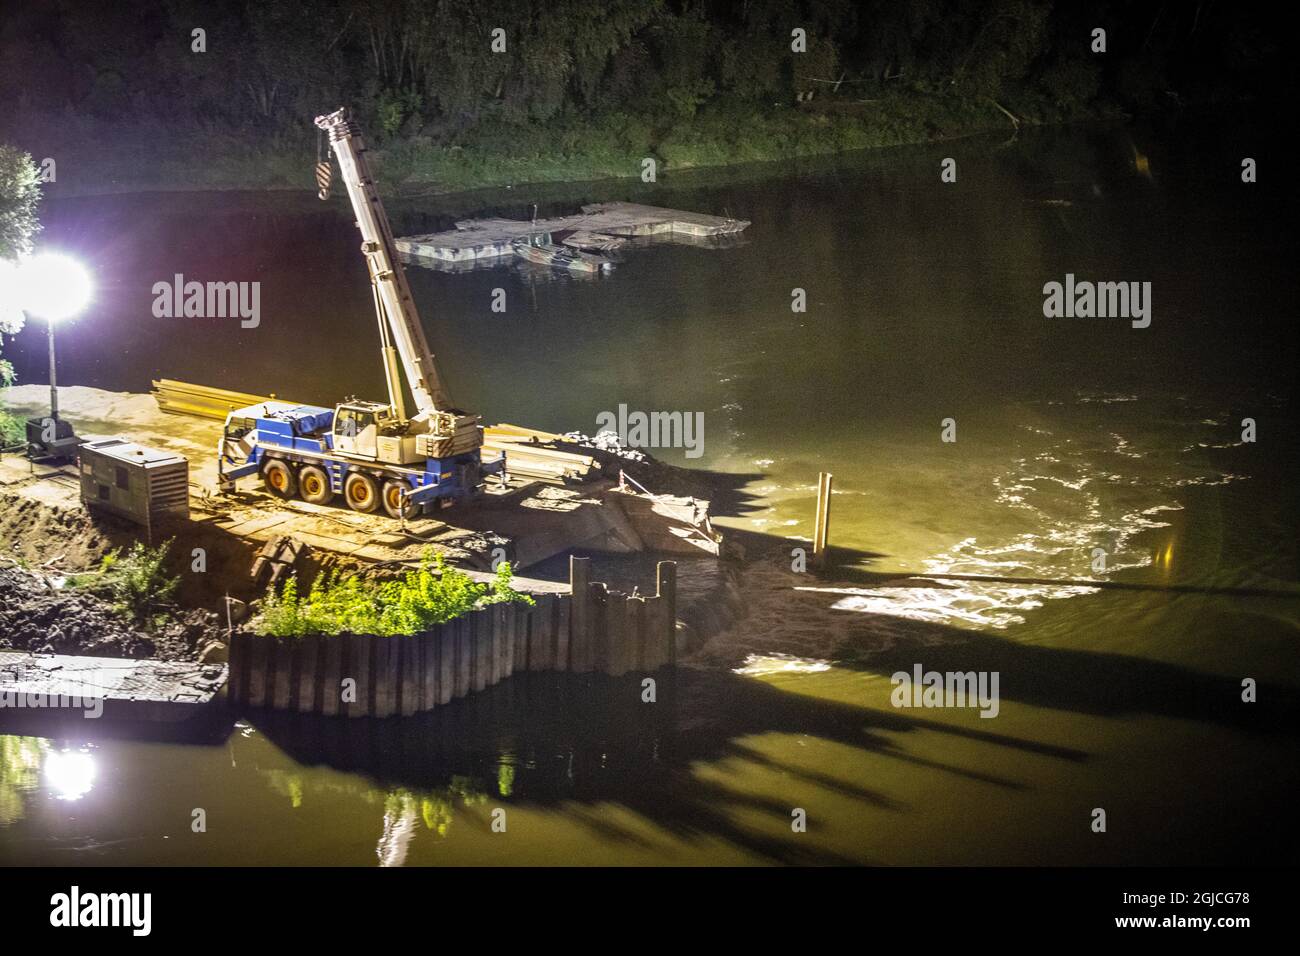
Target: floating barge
{"type": "Point", "coordinates": [483, 240]}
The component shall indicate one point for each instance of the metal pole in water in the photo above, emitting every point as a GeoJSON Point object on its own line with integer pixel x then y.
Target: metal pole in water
{"type": "Point", "coordinates": [821, 524]}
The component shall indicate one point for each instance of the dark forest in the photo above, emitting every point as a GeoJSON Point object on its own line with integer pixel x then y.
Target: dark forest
{"type": "Point", "coordinates": [460, 93]}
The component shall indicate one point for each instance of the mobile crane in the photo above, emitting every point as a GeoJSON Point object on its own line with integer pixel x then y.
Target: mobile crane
{"type": "Point", "coordinates": [371, 453]}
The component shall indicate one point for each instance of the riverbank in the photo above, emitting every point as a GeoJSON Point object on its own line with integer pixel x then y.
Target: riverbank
{"type": "Point", "coordinates": [50, 543]}
{"type": "Point", "coordinates": [92, 158]}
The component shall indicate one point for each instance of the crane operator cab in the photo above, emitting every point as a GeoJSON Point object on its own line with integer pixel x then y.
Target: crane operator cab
{"type": "Point", "coordinates": [357, 426]}
{"type": "Point", "coordinates": [372, 430]}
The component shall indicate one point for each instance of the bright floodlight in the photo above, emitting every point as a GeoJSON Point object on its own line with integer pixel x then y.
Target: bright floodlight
{"type": "Point", "coordinates": [53, 286]}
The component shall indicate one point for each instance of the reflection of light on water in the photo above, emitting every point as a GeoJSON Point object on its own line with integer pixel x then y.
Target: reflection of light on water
{"type": "Point", "coordinates": [760, 664]}
{"type": "Point", "coordinates": [506, 774]}
{"type": "Point", "coordinates": [1076, 504]}
{"type": "Point", "coordinates": [1165, 560]}
{"type": "Point", "coordinates": [70, 774]}
{"type": "Point", "coordinates": [1074, 508]}
{"type": "Point", "coordinates": [20, 771]}
{"type": "Point", "coordinates": [1047, 507]}
{"type": "Point", "coordinates": [1209, 482]}
{"type": "Point", "coordinates": [400, 819]}
{"type": "Point", "coordinates": [975, 604]}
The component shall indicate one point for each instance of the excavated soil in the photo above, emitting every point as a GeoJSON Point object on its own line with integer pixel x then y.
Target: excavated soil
{"type": "Point", "coordinates": [37, 533]}
{"type": "Point", "coordinates": [40, 546]}
{"type": "Point", "coordinates": [38, 615]}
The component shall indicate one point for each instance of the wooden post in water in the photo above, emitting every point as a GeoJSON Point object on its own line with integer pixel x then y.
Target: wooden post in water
{"type": "Point", "coordinates": [331, 675]}
{"type": "Point", "coordinates": [481, 629]}
{"type": "Point", "coordinates": [258, 666]}
{"type": "Point", "coordinates": [357, 667]}
{"type": "Point", "coordinates": [430, 667]}
{"type": "Point", "coordinates": [446, 639]}
{"type": "Point", "coordinates": [309, 652]}
{"type": "Point", "coordinates": [613, 659]}
{"type": "Point", "coordinates": [666, 591]}
{"type": "Point", "coordinates": [383, 654]}
{"type": "Point", "coordinates": [541, 634]}
{"type": "Point", "coordinates": [563, 660]}
{"type": "Point", "coordinates": [411, 675]}
{"type": "Point", "coordinates": [821, 524]}
{"type": "Point", "coordinates": [237, 683]}
{"type": "Point", "coordinates": [464, 655]}
{"type": "Point", "coordinates": [580, 620]}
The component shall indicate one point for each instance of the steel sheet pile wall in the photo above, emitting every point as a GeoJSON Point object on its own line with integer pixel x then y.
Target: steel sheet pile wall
{"type": "Point", "coordinates": [591, 629]}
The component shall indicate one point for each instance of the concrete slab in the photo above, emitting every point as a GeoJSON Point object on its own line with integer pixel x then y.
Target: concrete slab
{"type": "Point", "coordinates": [114, 688]}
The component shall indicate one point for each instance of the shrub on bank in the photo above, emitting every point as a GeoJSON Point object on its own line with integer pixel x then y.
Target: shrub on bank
{"type": "Point", "coordinates": [19, 195]}
{"type": "Point", "coordinates": [135, 583]}
{"type": "Point", "coordinates": [432, 594]}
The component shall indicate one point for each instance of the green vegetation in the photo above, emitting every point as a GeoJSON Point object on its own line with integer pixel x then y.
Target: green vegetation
{"type": "Point", "coordinates": [429, 595]}
{"type": "Point", "coordinates": [137, 585]}
{"type": "Point", "coordinates": [568, 89]}
{"type": "Point", "coordinates": [612, 145]}
{"type": "Point", "coordinates": [20, 772]}
{"type": "Point", "coordinates": [19, 194]}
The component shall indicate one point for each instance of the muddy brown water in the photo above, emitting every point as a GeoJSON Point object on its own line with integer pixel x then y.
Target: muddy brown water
{"type": "Point", "coordinates": [924, 302]}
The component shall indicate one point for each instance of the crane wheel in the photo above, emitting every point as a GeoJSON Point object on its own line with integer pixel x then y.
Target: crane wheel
{"type": "Point", "coordinates": [361, 492]}
{"type": "Point", "coordinates": [314, 485]}
{"type": "Point", "coordinates": [279, 478]}
{"type": "Point", "coordinates": [393, 501]}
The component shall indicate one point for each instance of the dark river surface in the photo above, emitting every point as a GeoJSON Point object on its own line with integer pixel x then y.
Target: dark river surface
{"type": "Point", "coordinates": [924, 303]}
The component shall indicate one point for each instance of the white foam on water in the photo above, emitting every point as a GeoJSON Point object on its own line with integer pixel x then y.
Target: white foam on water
{"type": "Point", "coordinates": [1075, 498]}
{"type": "Point", "coordinates": [1051, 507]}
{"type": "Point", "coordinates": [757, 665]}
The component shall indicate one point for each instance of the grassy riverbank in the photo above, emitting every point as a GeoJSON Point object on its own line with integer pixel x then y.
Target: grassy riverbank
{"type": "Point", "coordinates": [496, 153]}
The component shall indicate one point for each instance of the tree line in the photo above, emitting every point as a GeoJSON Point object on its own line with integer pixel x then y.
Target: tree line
{"type": "Point", "coordinates": [440, 68]}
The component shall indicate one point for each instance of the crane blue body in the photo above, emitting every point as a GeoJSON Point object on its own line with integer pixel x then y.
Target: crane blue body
{"type": "Point", "coordinates": [304, 435]}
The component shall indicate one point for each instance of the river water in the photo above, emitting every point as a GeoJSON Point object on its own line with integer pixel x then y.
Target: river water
{"type": "Point", "coordinates": [924, 302]}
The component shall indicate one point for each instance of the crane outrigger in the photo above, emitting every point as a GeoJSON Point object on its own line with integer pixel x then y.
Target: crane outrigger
{"type": "Point", "coordinates": [372, 453]}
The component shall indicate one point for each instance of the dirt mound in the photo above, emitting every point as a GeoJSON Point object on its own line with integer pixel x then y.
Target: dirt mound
{"type": "Point", "coordinates": [36, 532]}
{"type": "Point", "coordinates": [63, 540]}
{"type": "Point", "coordinates": [37, 616]}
